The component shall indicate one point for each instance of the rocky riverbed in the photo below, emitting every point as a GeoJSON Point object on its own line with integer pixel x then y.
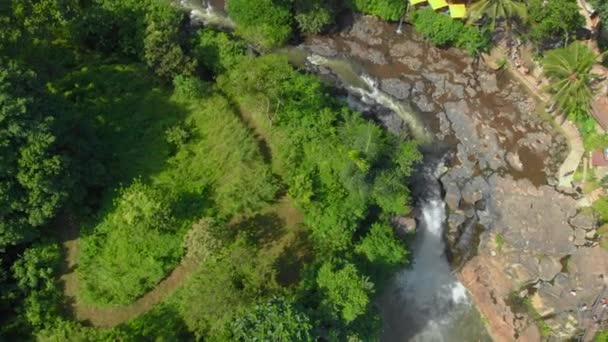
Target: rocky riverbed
{"type": "Point", "coordinates": [516, 241]}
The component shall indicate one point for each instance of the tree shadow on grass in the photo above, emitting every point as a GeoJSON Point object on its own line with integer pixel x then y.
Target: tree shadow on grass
{"type": "Point", "coordinates": [293, 259]}
{"type": "Point", "coordinates": [260, 228]}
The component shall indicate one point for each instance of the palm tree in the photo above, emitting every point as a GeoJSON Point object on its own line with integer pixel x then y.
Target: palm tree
{"type": "Point", "coordinates": [498, 9]}
{"type": "Point", "coordinates": [569, 70]}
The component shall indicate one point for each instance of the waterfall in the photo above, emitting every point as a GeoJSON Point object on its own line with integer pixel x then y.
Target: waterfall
{"type": "Point", "coordinates": [399, 28]}
{"type": "Point", "coordinates": [426, 302]}
{"type": "Point", "coordinates": [368, 90]}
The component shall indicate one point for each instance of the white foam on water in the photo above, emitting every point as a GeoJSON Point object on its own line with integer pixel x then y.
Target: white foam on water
{"type": "Point", "coordinates": [459, 293]}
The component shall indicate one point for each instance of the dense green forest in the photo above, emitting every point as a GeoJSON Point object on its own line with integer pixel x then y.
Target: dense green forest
{"type": "Point", "coordinates": [155, 146]}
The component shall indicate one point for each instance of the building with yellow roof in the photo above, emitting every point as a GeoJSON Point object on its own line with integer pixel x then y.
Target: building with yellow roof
{"type": "Point", "coordinates": [458, 11]}
{"type": "Point", "coordinates": [438, 4]}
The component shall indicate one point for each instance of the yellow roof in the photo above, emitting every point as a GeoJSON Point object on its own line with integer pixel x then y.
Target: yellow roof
{"type": "Point", "coordinates": [437, 4]}
{"type": "Point", "coordinates": [416, 2]}
{"type": "Point", "coordinates": [458, 11]}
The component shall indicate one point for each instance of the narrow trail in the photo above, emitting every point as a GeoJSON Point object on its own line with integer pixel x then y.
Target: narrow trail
{"type": "Point", "coordinates": [107, 317]}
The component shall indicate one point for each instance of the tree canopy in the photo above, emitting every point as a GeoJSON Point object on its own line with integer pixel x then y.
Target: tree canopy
{"type": "Point", "coordinates": [569, 69]}
{"type": "Point", "coordinates": [32, 172]}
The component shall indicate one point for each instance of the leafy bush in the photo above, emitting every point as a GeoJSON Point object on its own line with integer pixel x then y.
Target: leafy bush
{"type": "Point", "coordinates": [602, 336]}
{"type": "Point", "coordinates": [189, 87]}
{"type": "Point", "coordinates": [443, 31]}
{"type": "Point", "coordinates": [554, 20]}
{"type": "Point", "coordinates": [217, 52]}
{"type": "Point", "coordinates": [385, 9]}
{"type": "Point", "coordinates": [33, 181]}
{"type": "Point", "coordinates": [263, 22]}
{"type": "Point", "coordinates": [380, 246]}
{"type": "Point", "coordinates": [275, 320]}
{"type": "Point", "coordinates": [313, 16]}
{"type": "Point", "coordinates": [163, 52]}
{"type": "Point", "coordinates": [36, 273]}
{"type": "Point", "coordinates": [345, 290]}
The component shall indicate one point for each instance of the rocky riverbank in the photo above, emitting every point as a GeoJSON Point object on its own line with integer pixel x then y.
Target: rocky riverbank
{"type": "Point", "coordinates": [527, 256]}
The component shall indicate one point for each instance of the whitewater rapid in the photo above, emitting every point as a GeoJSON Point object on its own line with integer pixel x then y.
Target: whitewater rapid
{"type": "Point", "coordinates": [426, 302]}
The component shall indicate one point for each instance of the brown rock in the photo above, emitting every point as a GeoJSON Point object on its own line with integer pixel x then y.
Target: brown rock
{"type": "Point", "coordinates": [489, 286]}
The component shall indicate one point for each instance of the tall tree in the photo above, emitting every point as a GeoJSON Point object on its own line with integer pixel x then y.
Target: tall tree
{"type": "Point", "coordinates": [569, 70]}
{"type": "Point", "coordinates": [555, 20]}
{"type": "Point", "coordinates": [163, 51]}
{"type": "Point", "coordinates": [31, 173]}
{"type": "Point", "coordinates": [275, 320]}
{"type": "Point", "coordinates": [496, 10]}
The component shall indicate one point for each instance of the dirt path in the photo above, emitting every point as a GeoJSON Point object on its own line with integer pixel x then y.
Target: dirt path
{"type": "Point", "coordinates": [107, 317]}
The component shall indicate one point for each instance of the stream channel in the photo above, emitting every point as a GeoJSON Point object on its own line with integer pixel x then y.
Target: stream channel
{"type": "Point", "coordinates": [439, 97]}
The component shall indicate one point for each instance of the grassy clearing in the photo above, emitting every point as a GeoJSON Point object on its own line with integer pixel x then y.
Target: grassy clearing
{"type": "Point", "coordinates": [171, 159]}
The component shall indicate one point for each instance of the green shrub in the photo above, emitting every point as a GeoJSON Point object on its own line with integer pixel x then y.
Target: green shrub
{"type": "Point", "coordinates": [381, 246]}
{"type": "Point", "coordinates": [217, 52]}
{"type": "Point", "coordinates": [263, 22]}
{"type": "Point", "coordinates": [346, 291]}
{"type": "Point", "coordinates": [554, 20]}
{"type": "Point", "coordinates": [473, 40]}
{"type": "Point", "coordinates": [313, 16]}
{"type": "Point", "coordinates": [275, 320]}
{"type": "Point", "coordinates": [163, 51]}
{"type": "Point", "coordinates": [35, 273]}
{"type": "Point", "coordinates": [443, 31]}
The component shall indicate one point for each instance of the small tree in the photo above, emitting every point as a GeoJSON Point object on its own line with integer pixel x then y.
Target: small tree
{"type": "Point", "coordinates": [275, 320]}
{"type": "Point", "coordinates": [313, 16]}
{"type": "Point", "coordinates": [162, 50]}
{"type": "Point", "coordinates": [346, 291]}
{"type": "Point", "coordinates": [555, 20]}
